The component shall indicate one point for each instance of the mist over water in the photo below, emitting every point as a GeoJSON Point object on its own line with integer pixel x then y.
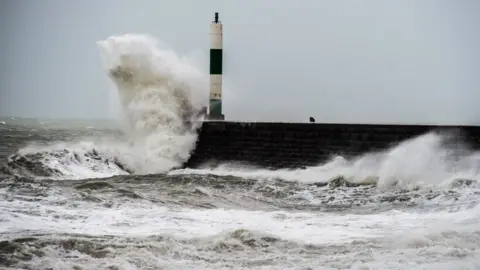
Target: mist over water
{"type": "Point", "coordinates": [86, 197]}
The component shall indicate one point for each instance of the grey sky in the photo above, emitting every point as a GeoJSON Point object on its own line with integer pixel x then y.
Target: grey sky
{"type": "Point", "coordinates": [340, 61]}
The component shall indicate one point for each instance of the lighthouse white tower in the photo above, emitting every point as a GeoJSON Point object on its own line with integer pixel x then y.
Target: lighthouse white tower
{"type": "Point", "coordinates": [216, 63]}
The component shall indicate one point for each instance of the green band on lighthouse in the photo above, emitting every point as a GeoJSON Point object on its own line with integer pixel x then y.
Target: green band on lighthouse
{"type": "Point", "coordinates": [215, 107]}
{"type": "Point", "coordinates": [216, 61]}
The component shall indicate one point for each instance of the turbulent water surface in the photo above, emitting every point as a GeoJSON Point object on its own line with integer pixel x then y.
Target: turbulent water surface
{"type": "Point", "coordinates": [92, 195]}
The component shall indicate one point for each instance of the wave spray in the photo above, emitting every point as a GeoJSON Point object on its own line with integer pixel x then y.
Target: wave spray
{"type": "Point", "coordinates": [160, 95]}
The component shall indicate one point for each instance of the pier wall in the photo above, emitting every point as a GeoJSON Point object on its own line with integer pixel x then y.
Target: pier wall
{"type": "Point", "coordinates": [295, 145]}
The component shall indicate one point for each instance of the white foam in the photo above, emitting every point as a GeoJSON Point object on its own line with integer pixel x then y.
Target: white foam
{"type": "Point", "coordinates": [143, 219]}
{"type": "Point", "coordinates": [413, 238]}
{"type": "Point", "coordinates": [74, 164]}
{"type": "Point", "coordinates": [391, 237]}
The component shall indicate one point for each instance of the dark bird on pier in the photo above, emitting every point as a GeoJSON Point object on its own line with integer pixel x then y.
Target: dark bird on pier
{"type": "Point", "coordinates": [312, 120]}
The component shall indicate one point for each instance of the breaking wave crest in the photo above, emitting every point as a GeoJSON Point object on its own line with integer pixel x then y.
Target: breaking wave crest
{"type": "Point", "coordinates": [160, 100]}
{"type": "Point", "coordinates": [432, 160]}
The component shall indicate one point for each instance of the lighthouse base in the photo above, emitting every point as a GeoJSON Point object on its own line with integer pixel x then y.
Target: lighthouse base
{"type": "Point", "coordinates": [214, 117]}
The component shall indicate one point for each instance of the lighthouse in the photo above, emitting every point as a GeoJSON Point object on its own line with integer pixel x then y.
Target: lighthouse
{"type": "Point", "coordinates": [216, 62]}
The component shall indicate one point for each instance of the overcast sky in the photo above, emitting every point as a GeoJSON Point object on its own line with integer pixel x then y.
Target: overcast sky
{"type": "Point", "coordinates": [404, 61]}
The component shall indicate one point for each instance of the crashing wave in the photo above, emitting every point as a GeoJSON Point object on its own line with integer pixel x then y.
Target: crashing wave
{"type": "Point", "coordinates": [62, 163]}
{"type": "Point", "coordinates": [160, 98]}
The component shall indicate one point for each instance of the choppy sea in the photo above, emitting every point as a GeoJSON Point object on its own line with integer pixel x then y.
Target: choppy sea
{"type": "Point", "coordinates": [101, 195]}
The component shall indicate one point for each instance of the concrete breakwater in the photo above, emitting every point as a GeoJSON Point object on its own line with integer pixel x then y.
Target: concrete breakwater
{"type": "Point", "coordinates": [295, 145]}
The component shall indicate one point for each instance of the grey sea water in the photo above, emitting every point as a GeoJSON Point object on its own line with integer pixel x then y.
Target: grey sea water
{"type": "Point", "coordinates": [66, 206]}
